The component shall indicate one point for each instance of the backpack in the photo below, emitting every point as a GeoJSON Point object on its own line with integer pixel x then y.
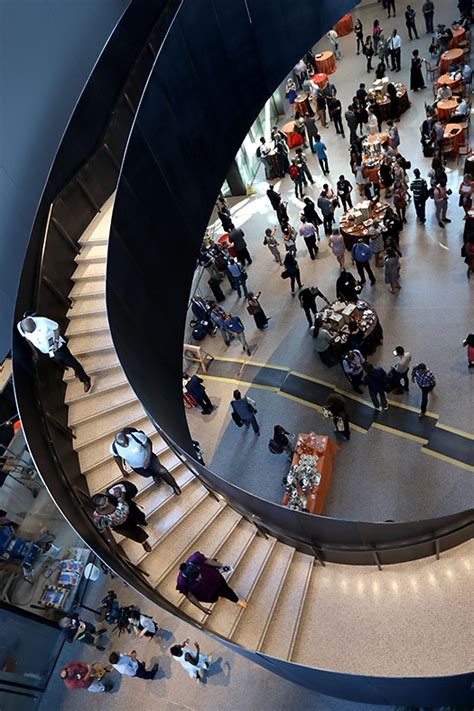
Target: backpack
{"type": "Point", "coordinates": [294, 172]}
{"type": "Point", "coordinates": [274, 447]}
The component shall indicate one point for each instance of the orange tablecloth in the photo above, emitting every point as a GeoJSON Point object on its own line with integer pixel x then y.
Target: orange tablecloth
{"type": "Point", "coordinates": [454, 132]}
{"type": "Point", "coordinates": [445, 107]}
{"type": "Point", "coordinates": [345, 25]}
{"type": "Point", "coordinates": [294, 139]}
{"type": "Point", "coordinates": [326, 62]}
{"type": "Point", "coordinates": [446, 80]}
{"type": "Point", "coordinates": [452, 56]}
{"type": "Point", "coordinates": [317, 495]}
{"type": "Point", "coordinates": [458, 36]}
{"type": "Point", "coordinates": [302, 104]}
{"type": "Point", "coordinates": [225, 241]}
{"type": "Point", "coordinates": [320, 79]}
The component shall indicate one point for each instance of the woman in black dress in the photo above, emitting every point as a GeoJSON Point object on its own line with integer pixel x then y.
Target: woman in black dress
{"type": "Point", "coordinates": [255, 310]}
{"type": "Point", "coordinates": [293, 271]}
{"type": "Point", "coordinates": [416, 75]}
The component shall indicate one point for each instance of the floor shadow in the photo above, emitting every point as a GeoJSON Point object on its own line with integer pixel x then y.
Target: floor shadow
{"type": "Point", "coordinates": [164, 639]}
{"type": "Point", "coordinates": [218, 673]}
{"type": "Point", "coordinates": [164, 670]}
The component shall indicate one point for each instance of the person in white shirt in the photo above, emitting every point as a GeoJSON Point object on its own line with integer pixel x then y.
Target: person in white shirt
{"type": "Point", "coordinates": [42, 334]}
{"type": "Point", "coordinates": [462, 109]}
{"type": "Point", "coordinates": [394, 46]}
{"type": "Point", "coordinates": [334, 40]}
{"type": "Point", "coordinates": [128, 665]}
{"type": "Point", "coordinates": [444, 92]}
{"type": "Point", "coordinates": [143, 625]}
{"type": "Point", "coordinates": [400, 369]}
{"type": "Point", "coordinates": [195, 664]}
{"type": "Point", "coordinates": [135, 449]}
{"type": "Point", "coordinates": [300, 72]}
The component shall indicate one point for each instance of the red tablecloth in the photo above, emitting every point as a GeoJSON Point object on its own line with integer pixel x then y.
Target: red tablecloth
{"type": "Point", "coordinates": [326, 63]}
{"type": "Point", "coordinates": [317, 495]}
{"type": "Point", "coordinates": [320, 79]}
{"type": "Point", "coordinates": [294, 139]}
{"type": "Point", "coordinates": [445, 107]}
{"type": "Point", "coordinates": [452, 56]}
{"type": "Point", "coordinates": [345, 25]}
{"type": "Point", "coordinates": [458, 36]}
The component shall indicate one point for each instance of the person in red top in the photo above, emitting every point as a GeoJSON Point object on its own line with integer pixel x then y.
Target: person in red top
{"type": "Point", "coordinates": [200, 580]}
{"type": "Point", "coordinates": [78, 675]}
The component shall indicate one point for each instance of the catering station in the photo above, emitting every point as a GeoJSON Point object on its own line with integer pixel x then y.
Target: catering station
{"type": "Point", "coordinates": [356, 222]}
{"type": "Point", "coordinates": [379, 94]}
{"type": "Point", "coordinates": [339, 314]}
{"type": "Point", "coordinates": [307, 482]}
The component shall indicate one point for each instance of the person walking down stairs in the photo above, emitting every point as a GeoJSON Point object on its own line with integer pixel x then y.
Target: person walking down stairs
{"type": "Point", "coordinates": [114, 512]}
{"type": "Point", "coordinates": [135, 448]}
{"type": "Point", "coordinates": [200, 580]}
{"type": "Point", "coordinates": [195, 664]}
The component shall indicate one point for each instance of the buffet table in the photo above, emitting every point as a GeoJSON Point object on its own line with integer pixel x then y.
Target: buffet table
{"type": "Point", "coordinates": [310, 473]}
{"type": "Point", "coordinates": [294, 139]}
{"type": "Point", "coordinates": [452, 56]}
{"type": "Point", "coordinates": [344, 26]}
{"type": "Point", "coordinates": [336, 318]}
{"type": "Point", "coordinates": [351, 230]}
{"type": "Point", "coordinates": [372, 155]}
{"type": "Point", "coordinates": [325, 62]}
{"type": "Point", "coordinates": [320, 79]}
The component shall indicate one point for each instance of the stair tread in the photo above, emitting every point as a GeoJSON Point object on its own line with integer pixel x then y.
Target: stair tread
{"type": "Point", "coordinates": [92, 361]}
{"type": "Point", "coordinates": [91, 251]}
{"type": "Point", "coordinates": [98, 404]}
{"type": "Point", "coordinates": [87, 323]}
{"type": "Point", "coordinates": [83, 307]}
{"type": "Point", "coordinates": [101, 382]}
{"type": "Point", "coordinates": [90, 343]}
{"type": "Point", "coordinates": [85, 289]}
{"type": "Point", "coordinates": [279, 635]}
{"type": "Point", "coordinates": [225, 614]}
{"type": "Point", "coordinates": [250, 627]}
{"type": "Point", "coordinates": [96, 450]}
{"type": "Point", "coordinates": [89, 433]}
{"type": "Point", "coordinates": [86, 271]}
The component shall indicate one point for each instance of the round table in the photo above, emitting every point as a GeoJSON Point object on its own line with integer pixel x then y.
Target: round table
{"type": "Point", "coordinates": [445, 107]}
{"type": "Point", "coordinates": [294, 139]}
{"type": "Point", "coordinates": [452, 56]}
{"type": "Point", "coordinates": [301, 105]}
{"type": "Point", "coordinates": [345, 25]}
{"type": "Point", "coordinates": [373, 333]}
{"type": "Point", "coordinates": [458, 36]}
{"type": "Point", "coordinates": [403, 103]}
{"type": "Point", "coordinates": [326, 62]}
{"type": "Point", "coordinates": [455, 133]}
{"type": "Point", "coordinates": [351, 232]}
{"type": "Point", "coordinates": [447, 80]}
{"type": "Point", "coordinates": [229, 246]}
{"type": "Point", "coordinates": [320, 79]}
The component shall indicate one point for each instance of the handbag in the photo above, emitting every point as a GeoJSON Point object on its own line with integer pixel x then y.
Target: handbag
{"type": "Point", "coordinates": [340, 426]}
{"type": "Point", "coordinates": [285, 274]}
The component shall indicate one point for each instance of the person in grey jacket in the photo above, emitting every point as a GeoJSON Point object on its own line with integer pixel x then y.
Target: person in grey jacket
{"type": "Point", "coordinates": [245, 408]}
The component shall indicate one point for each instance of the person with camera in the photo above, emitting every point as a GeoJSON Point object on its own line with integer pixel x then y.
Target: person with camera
{"type": "Point", "coordinates": [200, 579]}
{"type": "Point", "coordinates": [77, 630]}
{"type": "Point", "coordinates": [195, 664]}
{"type": "Point", "coordinates": [79, 675]}
{"type": "Point", "coordinates": [142, 625]}
{"type": "Point", "coordinates": [129, 665]}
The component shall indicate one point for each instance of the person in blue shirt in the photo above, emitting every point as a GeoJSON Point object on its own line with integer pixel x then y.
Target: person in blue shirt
{"type": "Point", "coordinates": [375, 379]}
{"type": "Point", "coordinates": [361, 256]}
{"type": "Point", "coordinates": [320, 150]}
{"type": "Point", "coordinates": [234, 326]}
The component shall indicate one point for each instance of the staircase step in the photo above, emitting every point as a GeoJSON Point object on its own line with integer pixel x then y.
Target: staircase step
{"type": "Point", "coordinates": [87, 323]}
{"type": "Point", "coordinates": [95, 405]}
{"type": "Point", "coordinates": [226, 616]}
{"type": "Point", "coordinates": [259, 613]}
{"type": "Point", "coordinates": [92, 432]}
{"type": "Point", "coordinates": [87, 290]}
{"type": "Point", "coordinates": [89, 343]}
{"type": "Point", "coordinates": [98, 230]}
{"type": "Point", "coordinates": [95, 450]}
{"type": "Point", "coordinates": [279, 639]}
{"type": "Point", "coordinates": [92, 253]}
{"type": "Point", "coordinates": [172, 515]}
{"type": "Point", "coordinates": [92, 305]}
{"type": "Point", "coordinates": [206, 536]}
{"type": "Point", "coordinates": [308, 618]}
{"type": "Point", "coordinates": [90, 272]}
{"type": "Point", "coordinates": [101, 382]}
{"type": "Point", "coordinates": [230, 553]}
{"type": "Point", "coordinates": [93, 362]}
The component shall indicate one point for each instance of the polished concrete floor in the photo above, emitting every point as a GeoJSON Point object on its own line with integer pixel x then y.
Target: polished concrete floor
{"type": "Point", "coordinates": [378, 475]}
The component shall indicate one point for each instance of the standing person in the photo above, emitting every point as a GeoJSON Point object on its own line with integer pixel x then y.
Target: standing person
{"type": "Point", "coordinates": [469, 343]}
{"type": "Point", "coordinates": [292, 269]}
{"type": "Point", "coordinates": [272, 243]}
{"type": "Point", "coordinates": [400, 369]}
{"type": "Point", "coordinates": [307, 298]}
{"type": "Point", "coordinates": [368, 51]}
{"type": "Point", "coordinates": [218, 318]}
{"type": "Point", "coordinates": [240, 246]}
{"type": "Point", "coordinates": [311, 130]}
{"type": "Point", "coordinates": [194, 386]}
{"type": "Point", "coordinates": [129, 665]}
{"type": "Point", "coordinates": [322, 344]}
{"type": "Point", "coordinates": [373, 122]}
{"type": "Point", "coordinates": [300, 72]}
{"type": "Point", "coordinates": [196, 665]}
{"type": "Point", "coordinates": [143, 625]}
{"type": "Point", "coordinates": [428, 13]}
{"type": "Point", "coordinates": [352, 365]}
{"type": "Point", "coordinates": [327, 211]}
{"type": "Point", "coordinates": [419, 189]}
{"type": "Point", "coordinates": [392, 270]}
{"type": "Point", "coordinates": [254, 309]}
{"type": "Point", "coordinates": [200, 580]}
{"type": "Point", "coordinates": [400, 199]}
{"type": "Point", "coordinates": [321, 104]}
{"type": "Point", "coordinates": [395, 47]}
{"type": "Point", "coordinates": [335, 112]}
{"type": "Point", "coordinates": [410, 15]}
{"type": "Point", "coordinates": [75, 629]}
{"type": "Point", "coordinates": [336, 243]}
{"type": "Point", "coordinates": [352, 122]}
{"type": "Point", "coordinates": [426, 381]}
{"type": "Point", "coordinates": [334, 40]}
{"type": "Point", "coordinates": [322, 155]}
{"type": "Point", "coordinates": [234, 326]}
{"type": "Point", "coordinates": [416, 75]}
{"type": "Point", "coordinates": [302, 164]}
{"type": "Point", "coordinates": [375, 379]}
{"type": "Point", "coordinates": [225, 218]}
{"type": "Point", "coordinates": [361, 256]}
{"type": "Point", "coordinates": [79, 675]}
{"type": "Point", "coordinates": [465, 194]}
{"type": "Point", "coordinates": [393, 136]}
{"type": "Point", "coordinates": [360, 180]}
{"type": "Point", "coordinates": [376, 32]}
{"type": "Point", "coordinates": [344, 189]}
{"type": "Point", "coordinates": [308, 231]}
{"type": "Point", "coordinates": [376, 242]}
{"type": "Point", "coordinates": [273, 196]}
{"type": "Point", "coordinates": [467, 251]}
{"type": "Point", "coordinates": [42, 334]}
{"type": "Point", "coordinates": [309, 211]}
{"type": "Point", "coordinates": [136, 449]}
{"type": "Point", "coordinates": [237, 277]}
{"type": "Point", "coordinates": [280, 442]}
{"type": "Point", "coordinates": [359, 33]}
{"type": "Point", "coordinates": [346, 287]}
{"type": "Point", "coordinates": [245, 409]}
{"type": "Point", "coordinates": [283, 154]}
{"type": "Point", "coordinates": [391, 8]}
{"type": "Point", "coordinates": [298, 178]}
{"type": "Point", "coordinates": [336, 406]}
{"type": "Point", "coordinates": [440, 197]}
{"type": "Point", "coordinates": [114, 512]}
